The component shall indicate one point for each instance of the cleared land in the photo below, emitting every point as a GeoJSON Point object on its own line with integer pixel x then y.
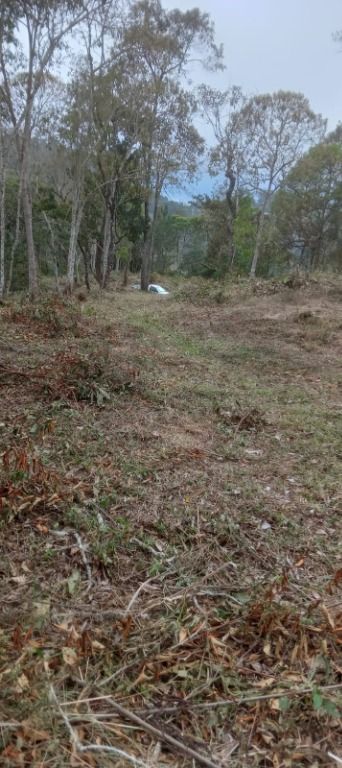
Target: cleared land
{"type": "Point", "coordinates": [170, 501]}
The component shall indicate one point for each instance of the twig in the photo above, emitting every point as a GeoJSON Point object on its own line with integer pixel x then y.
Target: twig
{"type": "Point", "coordinates": [92, 747]}
{"type": "Point", "coordinates": [334, 757]}
{"type": "Point", "coordinates": [147, 547]}
{"type": "Point", "coordinates": [4, 724]}
{"type": "Point", "coordinates": [162, 736]}
{"type": "Point", "coordinates": [111, 751]}
{"type": "Point", "coordinates": [84, 558]}
{"type": "Point", "coordinates": [184, 704]}
{"type": "Point", "coordinates": [72, 734]}
{"type": "Point", "coordinates": [136, 594]}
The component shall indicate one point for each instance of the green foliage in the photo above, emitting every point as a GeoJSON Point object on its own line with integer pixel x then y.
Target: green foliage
{"type": "Point", "coordinates": [324, 705]}
{"type": "Point", "coordinates": [51, 224]}
{"type": "Point", "coordinates": [307, 209]}
{"type": "Point", "coordinates": [245, 227]}
{"type": "Point", "coordinates": [178, 244]}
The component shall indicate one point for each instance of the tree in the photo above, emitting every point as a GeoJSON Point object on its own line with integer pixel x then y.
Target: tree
{"type": "Point", "coordinates": [307, 209]}
{"type": "Point", "coordinates": [2, 211]}
{"type": "Point", "coordinates": [25, 63]}
{"type": "Point", "coordinates": [222, 110]}
{"type": "Point", "coordinates": [277, 129]}
{"type": "Point", "coordinates": [158, 45]}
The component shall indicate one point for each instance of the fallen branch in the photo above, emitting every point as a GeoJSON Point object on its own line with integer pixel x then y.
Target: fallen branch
{"type": "Point", "coordinates": [82, 748]}
{"type": "Point", "coordinates": [8, 724]}
{"type": "Point", "coordinates": [147, 548]}
{"type": "Point", "coordinates": [163, 736]}
{"type": "Point", "coordinates": [184, 704]}
{"type": "Point", "coordinates": [334, 757]}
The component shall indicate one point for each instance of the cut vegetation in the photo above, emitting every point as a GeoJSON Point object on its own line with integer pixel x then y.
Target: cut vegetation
{"type": "Point", "coordinates": [170, 507]}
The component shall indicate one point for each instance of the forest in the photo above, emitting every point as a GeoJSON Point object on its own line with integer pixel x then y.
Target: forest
{"type": "Point", "coordinates": [99, 134]}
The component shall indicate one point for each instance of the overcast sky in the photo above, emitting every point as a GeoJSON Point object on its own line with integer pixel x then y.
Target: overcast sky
{"type": "Point", "coordinates": [273, 44]}
{"type": "Point", "coordinates": [277, 44]}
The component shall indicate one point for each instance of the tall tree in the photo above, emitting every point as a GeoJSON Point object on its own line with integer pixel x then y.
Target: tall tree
{"type": "Point", "coordinates": [222, 110]}
{"type": "Point", "coordinates": [2, 211]}
{"type": "Point", "coordinates": [25, 63]}
{"type": "Point", "coordinates": [158, 45]}
{"type": "Point", "coordinates": [277, 130]}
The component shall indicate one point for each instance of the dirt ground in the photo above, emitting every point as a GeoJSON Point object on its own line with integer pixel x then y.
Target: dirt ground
{"type": "Point", "coordinates": [170, 512]}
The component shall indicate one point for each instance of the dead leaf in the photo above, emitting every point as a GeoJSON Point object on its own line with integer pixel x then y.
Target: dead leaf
{"type": "Point", "coordinates": [126, 626]}
{"type": "Point", "coordinates": [40, 526]}
{"type": "Point", "coordinates": [63, 627]}
{"type": "Point", "coordinates": [141, 678]}
{"type": "Point", "coordinates": [69, 656]}
{"type": "Point", "coordinates": [182, 635]}
{"type": "Point", "coordinates": [19, 579]}
{"type": "Point", "coordinates": [15, 755]}
{"type": "Point", "coordinates": [22, 684]}
{"type": "Point", "coordinates": [96, 646]}
{"type": "Point", "coordinates": [327, 615]}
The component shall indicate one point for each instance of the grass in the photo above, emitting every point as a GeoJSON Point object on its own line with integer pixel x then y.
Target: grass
{"type": "Point", "coordinates": [170, 527]}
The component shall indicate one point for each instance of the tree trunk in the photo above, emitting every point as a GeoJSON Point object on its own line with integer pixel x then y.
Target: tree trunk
{"type": "Point", "coordinates": [53, 258]}
{"type": "Point", "coordinates": [231, 215]}
{"type": "Point", "coordinates": [258, 241]}
{"type": "Point", "coordinates": [125, 275]}
{"type": "Point", "coordinates": [2, 217]}
{"type": "Point", "coordinates": [15, 241]}
{"type": "Point", "coordinates": [154, 219]}
{"type": "Point", "coordinates": [27, 210]}
{"type": "Point", "coordinates": [145, 265]}
{"type": "Point", "coordinates": [107, 239]}
{"type": "Point", "coordinates": [149, 236]}
{"type": "Point", "coordinates": [98, 260]}
{"type": "Point", "coordinates": [86, 269]}
{"type": "Point", "coordinates": [76, 218]}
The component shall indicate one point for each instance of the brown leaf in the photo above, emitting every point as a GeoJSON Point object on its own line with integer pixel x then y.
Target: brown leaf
{"type": "Point", "coordinates": [16, 756]}
{"type": "Point", "coordinates": [96, 646]}
{"type": "Point", "coordinates": [327, 615]}
{"type": "Point", "coordinates": [39, 526]}
{"type": "Point", "coordinates": [22, 684]}
{"type": "Point", "coordinates": [126, 625]}
{"type": "Point", "coordinates": [69, 656]}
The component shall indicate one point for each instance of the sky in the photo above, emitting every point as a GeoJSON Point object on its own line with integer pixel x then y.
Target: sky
{"type": "Point", "coordinates": [277, 44]}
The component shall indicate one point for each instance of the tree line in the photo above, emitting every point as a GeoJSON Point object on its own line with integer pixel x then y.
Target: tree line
{"type": "Point", "coordinates": [98, 122]}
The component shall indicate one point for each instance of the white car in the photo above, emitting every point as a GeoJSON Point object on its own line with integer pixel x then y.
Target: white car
{"type": "Point", "coordinates": [152, 288]}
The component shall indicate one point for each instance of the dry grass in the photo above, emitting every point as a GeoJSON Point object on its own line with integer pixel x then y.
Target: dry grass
{"type": "Point", "coordinates": [170, 527]}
